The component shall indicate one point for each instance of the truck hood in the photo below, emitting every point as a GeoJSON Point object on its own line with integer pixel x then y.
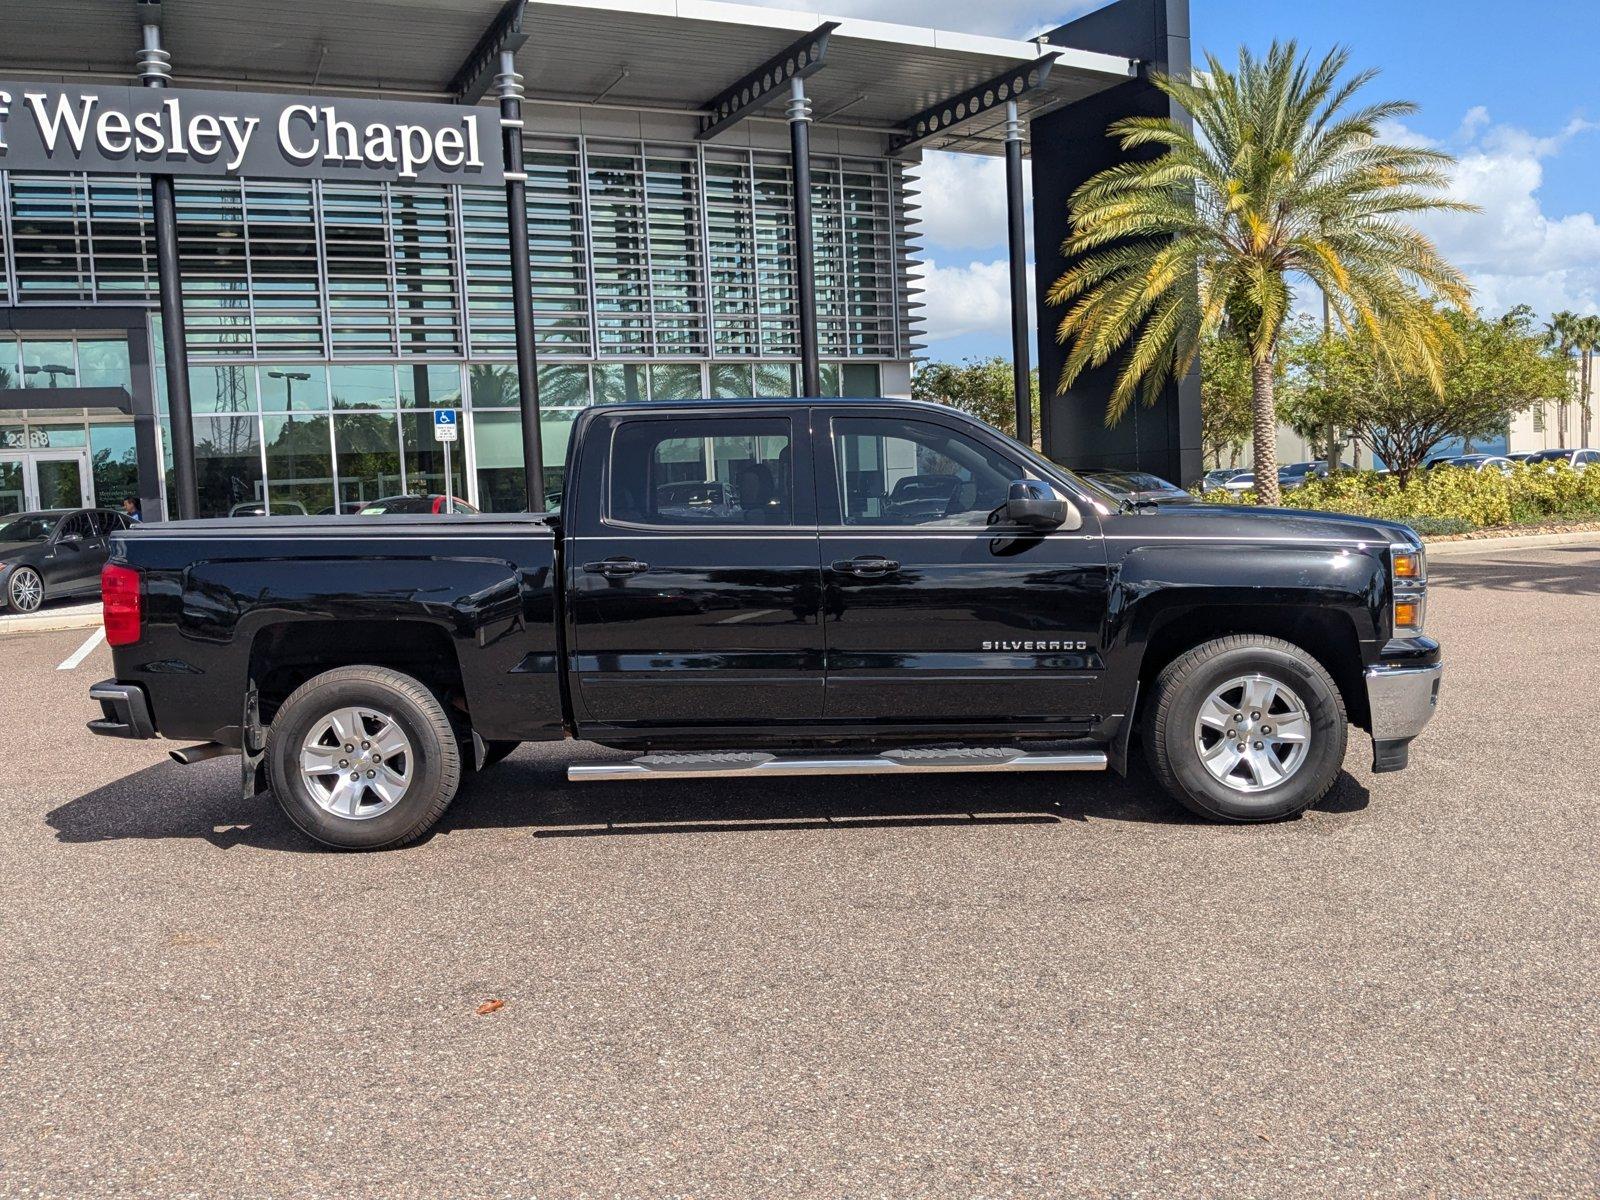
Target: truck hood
{"type": "Point", "coordinates": [1250, 521]}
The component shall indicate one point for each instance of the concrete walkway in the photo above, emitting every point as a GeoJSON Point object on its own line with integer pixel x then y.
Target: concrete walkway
{"type": "Point", "coordinates": [51, 616]}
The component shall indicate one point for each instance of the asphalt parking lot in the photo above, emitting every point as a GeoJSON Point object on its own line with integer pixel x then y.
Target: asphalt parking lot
{"type": "Point", "coordinates": [975, 987]}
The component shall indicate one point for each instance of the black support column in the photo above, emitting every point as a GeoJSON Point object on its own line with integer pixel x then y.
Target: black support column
{"type": "Point", "coordinates": [1069, 145]}
{"type": "Point", "coordinates": [805, 262]}
{"type": "Point", "coordinates": [1017, 239]}
{"type": "Point", "coordinates": [510, 87]}
{"type": "Point", "coordinates": [155, 72]}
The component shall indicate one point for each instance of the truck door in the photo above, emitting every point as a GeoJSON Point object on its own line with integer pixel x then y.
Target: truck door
{"type": "Point", "coordinates": [694, 580]}
{"type": "Point", "coordinates": [936, 611]}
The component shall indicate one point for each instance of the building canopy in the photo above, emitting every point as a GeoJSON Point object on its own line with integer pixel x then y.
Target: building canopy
{"type": "Point", "coordinates": [671, 55]}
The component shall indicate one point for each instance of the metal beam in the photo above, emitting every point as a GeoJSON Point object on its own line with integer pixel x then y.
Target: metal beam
{"type": "Point", "coordinates": [471, 82]}
{"type": "Point", "coordinates": [155, 71]}
{"type": "Point", "coordinates": [805, 254]}
{"type": "Point", "coordinates": [994, 93]}
{"type": "Point", "coordinates": [1017, 246]}
{"type": "Point", "coordinates": [509, 85]}
{"type": "Point", "coordinates": [771, 79]}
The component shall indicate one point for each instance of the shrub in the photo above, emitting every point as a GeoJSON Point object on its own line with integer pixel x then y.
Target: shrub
{"type": "Point", "coordinates": [1450, 500]}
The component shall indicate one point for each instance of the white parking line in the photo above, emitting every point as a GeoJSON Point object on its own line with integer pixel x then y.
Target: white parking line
{"type": "Point", "coordinates": [83, 651]}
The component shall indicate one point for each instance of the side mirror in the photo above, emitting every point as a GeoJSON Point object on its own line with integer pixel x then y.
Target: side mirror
{"type": "Point", "coordinates": [1033, 504]}
{"type": "Point", "coordinates": [70, 539]}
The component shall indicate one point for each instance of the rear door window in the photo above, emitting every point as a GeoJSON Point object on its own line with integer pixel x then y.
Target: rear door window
{"type": "Point", "coordinates": [693, 471]}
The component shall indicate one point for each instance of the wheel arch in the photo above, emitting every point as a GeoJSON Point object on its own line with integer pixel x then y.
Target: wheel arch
{"type": "Point", "coordinates": [1329, 635]}
{"type": "Point", "coordinates": [285, 654]}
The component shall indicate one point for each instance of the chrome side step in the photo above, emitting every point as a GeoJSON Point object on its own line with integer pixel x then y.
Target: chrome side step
{"type": "Point", "coordinates": [890, 762]}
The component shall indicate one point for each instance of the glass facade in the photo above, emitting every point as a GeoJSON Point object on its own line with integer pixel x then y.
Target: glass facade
{"type": "Point", "coordinates": [323, 316]}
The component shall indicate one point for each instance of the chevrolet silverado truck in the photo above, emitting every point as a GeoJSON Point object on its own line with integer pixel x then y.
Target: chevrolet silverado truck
{"type": "Point", "coordinates": [765, 588]}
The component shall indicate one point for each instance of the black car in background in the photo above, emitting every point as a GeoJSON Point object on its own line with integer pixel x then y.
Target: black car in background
{"type": "Point", "coordinates": [1138, 487]}
{"type": "Point", "coordinates": [52, 554]}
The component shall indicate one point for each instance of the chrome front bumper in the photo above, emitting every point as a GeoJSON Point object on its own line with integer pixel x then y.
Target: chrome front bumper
{"type": "Point", "coordinates": [1402, 702]}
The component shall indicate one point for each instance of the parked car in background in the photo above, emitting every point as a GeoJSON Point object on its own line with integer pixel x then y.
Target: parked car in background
{"type": "Point", "coordinates": [1215, 479]}
{"type": "Point", "coordinates": [1476, 462]}
{"type": "Point", "coordinates": [1292, 475]}
{"type": "Point", "coordinates": [1138, 487]}
{"type": "Point", "coordinates": [1578, 460]}
{"type": "Point", "coordinates": [432, 504]}
{"type": "Point", "coordinates": [54, 553]}
{"type": "Point", "coordinates": [258, 508]}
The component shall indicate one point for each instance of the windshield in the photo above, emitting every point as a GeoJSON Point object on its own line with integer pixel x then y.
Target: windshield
{"type": "Point", "coordinates": [32, 528]}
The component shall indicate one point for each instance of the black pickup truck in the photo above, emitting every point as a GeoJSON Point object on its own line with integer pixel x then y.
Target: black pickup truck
{"type": "Point", "coordinates": [775, 588]}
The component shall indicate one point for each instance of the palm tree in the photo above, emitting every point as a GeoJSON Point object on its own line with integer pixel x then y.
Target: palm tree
{"type": "Point", "coordinates": [1560, 333]}
{"type": "Point", "coordinates": [1586, 339]}
{"type": "Point", "coordinates": [1281, 181]}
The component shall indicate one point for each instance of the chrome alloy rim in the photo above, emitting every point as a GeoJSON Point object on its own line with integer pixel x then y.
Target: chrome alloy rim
{"type": "Point", "coordinates": [1253, 733]}
{"type": "Point", "coordinates": [27, 590]}
{"type": "Point", "coordinates": [357, 763]}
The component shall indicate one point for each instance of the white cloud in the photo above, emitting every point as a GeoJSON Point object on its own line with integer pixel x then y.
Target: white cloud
{"type": "Point", "coordinates": [1513, 251]}
{"type": "Point", "coordinates": [963, 199]}
{"type": "Point", "coordinates": [974, 298]}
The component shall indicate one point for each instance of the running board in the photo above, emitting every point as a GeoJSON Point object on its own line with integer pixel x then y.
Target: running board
{"type": "Point", "coordinates": [890, 762]}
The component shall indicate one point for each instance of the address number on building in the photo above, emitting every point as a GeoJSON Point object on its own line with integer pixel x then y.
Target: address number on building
{"type": "Point", "coordinates": [444, 426]}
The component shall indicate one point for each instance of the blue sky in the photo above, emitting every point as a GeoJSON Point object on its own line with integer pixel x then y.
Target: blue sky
{"type": "Point", "coordinates": [1511, 90]}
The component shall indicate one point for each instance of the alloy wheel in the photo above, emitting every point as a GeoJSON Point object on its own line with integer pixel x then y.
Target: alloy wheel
{"type": "Point", "coordinates": [26, 590]}
{"type": "Point", "coordinates": [357, 763]}
{"type": "Point", "coordinates": [1253, 733]}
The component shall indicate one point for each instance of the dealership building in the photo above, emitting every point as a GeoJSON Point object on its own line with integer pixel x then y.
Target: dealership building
{"type": "Point", "coordinates": [248, 252]}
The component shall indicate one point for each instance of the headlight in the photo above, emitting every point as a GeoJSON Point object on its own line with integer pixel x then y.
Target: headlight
{"type": "Point", "coordinates": [1408, 573]}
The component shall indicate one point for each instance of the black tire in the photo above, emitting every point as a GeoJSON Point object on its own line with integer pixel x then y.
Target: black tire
{"type": "Point", "coordinates": [25, 591]}
{"type": "Point", "coordinates": [494, 752]}
{"type": "Point", "coordinates": [1172, 717]}
{"type": "Point", "coordinates": [434, 775]}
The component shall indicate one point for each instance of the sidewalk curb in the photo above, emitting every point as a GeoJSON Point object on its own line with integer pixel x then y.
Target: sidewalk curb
{"type": "Point", "coordinates": [50, 622]}
{"type": "Point", "coordinates": [1465, 547]}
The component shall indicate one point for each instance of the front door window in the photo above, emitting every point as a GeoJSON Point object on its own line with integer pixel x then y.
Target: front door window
{"type": "Point", "coordinates": [895, 472]}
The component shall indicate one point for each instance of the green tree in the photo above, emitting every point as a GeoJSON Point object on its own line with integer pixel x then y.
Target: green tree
{"type": "Point", "coordinates": [980, 387]}
{"type": "Point", "coordinates": [1310, 400]}
{"type": "Point", "coordinates": [1225, 401]}
{"type": "Point", "coordinates": [1560, 333]}
{"type": "Point", "coordinates": [1493, 370]}
{"type": "Point", "coordinates": [1281, 181]}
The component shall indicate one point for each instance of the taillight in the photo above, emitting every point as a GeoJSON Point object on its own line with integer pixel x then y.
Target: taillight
{"type": "Point", "coordinates": [121, 604]}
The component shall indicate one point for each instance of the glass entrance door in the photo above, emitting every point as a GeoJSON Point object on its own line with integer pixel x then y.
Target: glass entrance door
{"type": "Point", "coordinates": [44, 480]}
{"type": "Point", "coordinates": [61, 480]}
{"type": "Point", "coordinates": [13, 486]}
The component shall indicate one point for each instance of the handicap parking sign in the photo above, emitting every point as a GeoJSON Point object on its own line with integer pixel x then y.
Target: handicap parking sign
{"type": "Point", "coordinates": [444, 425]}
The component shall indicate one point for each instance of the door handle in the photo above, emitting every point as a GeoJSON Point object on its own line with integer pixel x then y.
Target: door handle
{"type": "Point", "coordinates": [617, 568]}
{"type": "Point", "coordinates": [867, 566]}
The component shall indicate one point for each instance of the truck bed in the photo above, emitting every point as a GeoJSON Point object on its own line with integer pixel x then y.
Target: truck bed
{"type": "Point", "coordinates": [470, 598]}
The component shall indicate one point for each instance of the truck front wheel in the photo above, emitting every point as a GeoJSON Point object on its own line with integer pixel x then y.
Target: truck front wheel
{"type": "Point", "coordinates": [363, 757]}
{"type": "Point", "coordinates": [1246, 728]}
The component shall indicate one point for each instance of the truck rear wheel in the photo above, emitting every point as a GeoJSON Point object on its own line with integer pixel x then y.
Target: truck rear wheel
{"type": "Point", "coordinates": [363, 757]}
{"type": "Point", "coordinates": [1246, 728]}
